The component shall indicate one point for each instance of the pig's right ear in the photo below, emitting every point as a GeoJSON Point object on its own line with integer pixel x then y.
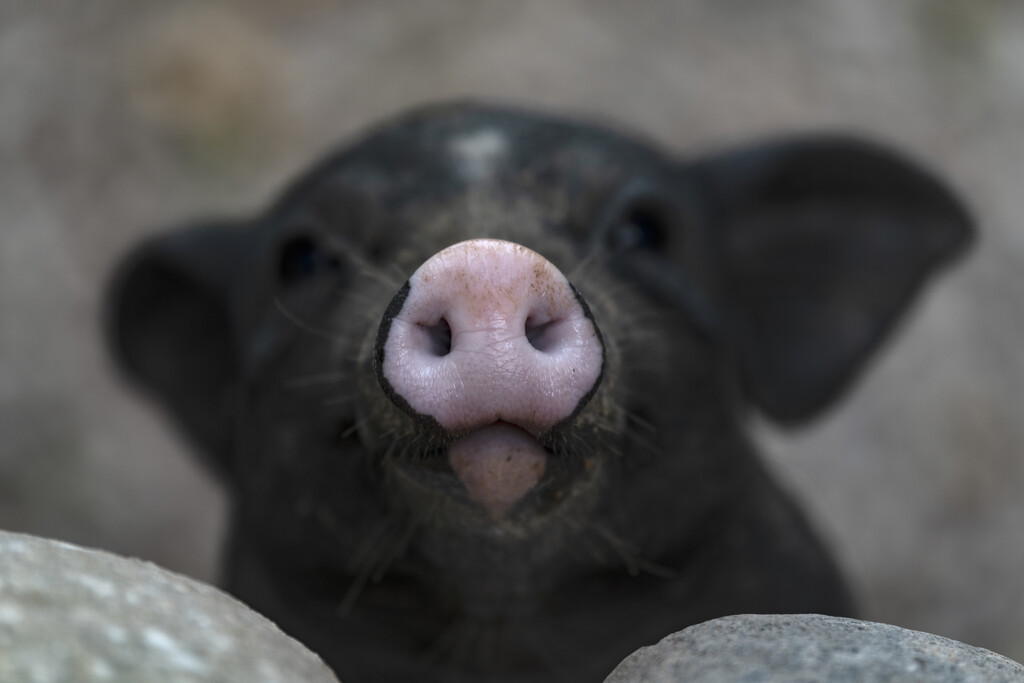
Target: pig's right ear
{"type": "Point", "coordinates": [825, 241]}
{"type": "Point", "coordinates": [170, 325]}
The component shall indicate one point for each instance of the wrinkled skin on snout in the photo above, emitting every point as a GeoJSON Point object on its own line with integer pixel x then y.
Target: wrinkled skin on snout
{"type": "Point", "coordinates": [477, 383]}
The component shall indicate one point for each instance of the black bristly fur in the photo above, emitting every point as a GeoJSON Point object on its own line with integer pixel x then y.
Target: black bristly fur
{"type": "Point", "coordinates": [761, 278]}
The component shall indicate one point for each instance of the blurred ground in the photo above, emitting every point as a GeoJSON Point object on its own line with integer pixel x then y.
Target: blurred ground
{"type": "Point", "coordinates": [120, 117]}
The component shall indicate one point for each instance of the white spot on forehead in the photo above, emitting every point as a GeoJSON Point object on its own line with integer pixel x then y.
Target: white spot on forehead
{"type": "Point", "coordinates": [477, 153]}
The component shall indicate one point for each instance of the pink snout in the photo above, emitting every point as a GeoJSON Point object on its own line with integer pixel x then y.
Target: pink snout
{"type": "Point", "coordinates": [489, 332]}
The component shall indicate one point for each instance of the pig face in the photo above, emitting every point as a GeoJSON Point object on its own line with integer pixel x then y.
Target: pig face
{"type": "Point", "coordinates": [477, 382]}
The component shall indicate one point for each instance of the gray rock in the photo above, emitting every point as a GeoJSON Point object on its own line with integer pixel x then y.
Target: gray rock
{"type": "Point", "coordinates": [803, 648]}
{"type": "Point", "coordinates": [70, 614]}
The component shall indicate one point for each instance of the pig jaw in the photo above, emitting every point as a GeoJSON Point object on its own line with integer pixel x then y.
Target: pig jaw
{"type": "Point", "coordinates": [491, 345]}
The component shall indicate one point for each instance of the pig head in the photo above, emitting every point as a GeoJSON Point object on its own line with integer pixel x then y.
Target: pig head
{"type": "Point", "coordinates": [477, 383]}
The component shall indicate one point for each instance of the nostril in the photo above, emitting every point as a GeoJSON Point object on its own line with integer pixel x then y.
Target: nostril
{"type": "Point", "coordinates": [541, 335]}
{"type": "Point", "coordinates": [439, 338]}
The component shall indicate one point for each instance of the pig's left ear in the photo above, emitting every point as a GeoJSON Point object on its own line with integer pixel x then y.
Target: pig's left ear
{"type": "Point", "coordinates": [825, 243]}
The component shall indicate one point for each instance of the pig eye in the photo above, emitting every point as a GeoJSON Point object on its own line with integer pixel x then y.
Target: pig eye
{"type": "Point", "coordinates": [638, 218]}
{"type": "Point", "coordinates": [300, 258]}
{"type": "Point", "coordinates": [641, 227]}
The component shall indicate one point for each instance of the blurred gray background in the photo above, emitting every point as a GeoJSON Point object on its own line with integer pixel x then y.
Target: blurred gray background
{"type": "Point", "coordinates": [122, 117]}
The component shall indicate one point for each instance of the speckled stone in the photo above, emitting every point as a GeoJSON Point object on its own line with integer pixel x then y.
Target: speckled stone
{"type": "Point", "coordinates": [805, 648]}
{"type": "Point", "coordinates": [71, 614]}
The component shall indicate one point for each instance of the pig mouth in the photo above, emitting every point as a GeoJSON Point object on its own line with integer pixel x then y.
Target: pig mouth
{"type": "Point", "coordinates": [500, 469]}
{"type": "Point", "coordinates": [498, 464]}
